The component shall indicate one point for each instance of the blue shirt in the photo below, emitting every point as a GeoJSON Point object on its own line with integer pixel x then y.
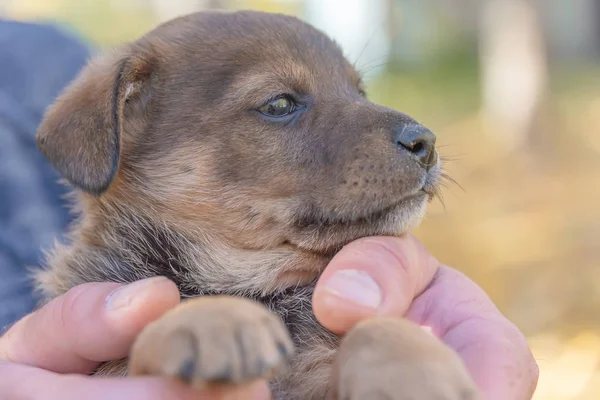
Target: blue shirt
{"type": "Point", "coordinates": [36, 62]}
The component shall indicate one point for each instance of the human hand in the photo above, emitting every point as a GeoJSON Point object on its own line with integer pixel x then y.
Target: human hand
{"type": "Point", "coordinates": [48, 353]}
{"type": "Point", "coordinates": [80, 332]}
{"type": "Point", "coordinates": [385, 276]}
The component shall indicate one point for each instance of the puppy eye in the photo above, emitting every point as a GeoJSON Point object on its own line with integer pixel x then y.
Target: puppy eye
{"type": "Point", "coordinates": [278, 107]}
{"type": "Point", "coordinates": [362, 92]}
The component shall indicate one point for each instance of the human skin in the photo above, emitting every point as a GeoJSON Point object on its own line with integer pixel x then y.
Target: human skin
{"type": "Point", "coordinates": [415, 285]}
{"type": "Point", "coordinates": [53, 348]}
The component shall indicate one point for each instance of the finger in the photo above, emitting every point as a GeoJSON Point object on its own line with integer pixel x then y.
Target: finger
{"type": "Point", "coordinates": [372, 276]}
{"type": "Point", "coordinates": [91, 323]}
{"type": "Point", "coordinates": [51, 386]}
{"type": "Point", "coordinates": [495, 352]}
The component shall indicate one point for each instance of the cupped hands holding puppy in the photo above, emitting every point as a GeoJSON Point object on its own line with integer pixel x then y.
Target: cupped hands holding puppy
{"type": "Point", "coordinates": [49, 353]}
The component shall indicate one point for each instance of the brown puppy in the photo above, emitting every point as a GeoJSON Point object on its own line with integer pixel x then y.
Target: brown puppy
{"type": "Point", "coordinates": [235, 153]}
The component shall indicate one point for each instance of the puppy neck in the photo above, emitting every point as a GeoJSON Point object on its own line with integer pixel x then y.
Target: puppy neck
{"type": "Point", "coordinates": [197, 260]}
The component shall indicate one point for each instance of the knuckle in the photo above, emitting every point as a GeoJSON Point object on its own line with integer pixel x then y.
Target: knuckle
{"type": "Point", "coordinates": [10, 340]}
{"type": "Point", "coordinates": [65, 308]}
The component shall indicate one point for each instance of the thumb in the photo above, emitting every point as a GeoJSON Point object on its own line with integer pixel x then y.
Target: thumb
{"type": "Point", "coordinates": [91, 323]}
{"type": "Point", "coordinates": [370, 277]}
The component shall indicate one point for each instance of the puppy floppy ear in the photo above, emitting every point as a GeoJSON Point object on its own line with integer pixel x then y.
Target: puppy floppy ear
{"type": "Point", "coordinates": [80, 133]}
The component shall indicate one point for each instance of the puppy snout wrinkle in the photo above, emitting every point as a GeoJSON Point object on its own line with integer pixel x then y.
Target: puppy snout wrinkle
{"type": "Point", "coordinates": [419, 141]}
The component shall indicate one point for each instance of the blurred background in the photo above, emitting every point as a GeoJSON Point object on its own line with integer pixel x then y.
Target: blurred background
{"type": "Point", "coordinates": [512, 89]}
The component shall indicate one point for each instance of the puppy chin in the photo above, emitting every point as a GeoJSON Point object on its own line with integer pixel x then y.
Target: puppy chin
{"type": "Point", "coordinates": [407, 216]}
{"type": "Point", "coordinates": [326, 240]}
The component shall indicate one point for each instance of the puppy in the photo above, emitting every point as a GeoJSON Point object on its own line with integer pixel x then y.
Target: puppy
{"type": "Point", "coordinates": [235, 154]}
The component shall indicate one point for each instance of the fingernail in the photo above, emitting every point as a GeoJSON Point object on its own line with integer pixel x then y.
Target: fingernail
{"type": "Point", "coordinates": [355, 286]}
{"type": "Point", "coordinates": [125, 295]}
{"type": "Point", "coordinates": [428, 329]}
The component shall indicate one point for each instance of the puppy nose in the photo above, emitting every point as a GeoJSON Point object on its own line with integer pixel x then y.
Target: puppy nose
{"type": "Point", "coordinates": [419, 141]}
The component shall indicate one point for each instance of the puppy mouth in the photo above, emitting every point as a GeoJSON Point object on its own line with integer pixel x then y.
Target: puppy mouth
{"type": "Point", "coordinates": [324, 221]}
{"type": "Point", "coordinates": [326, 234]}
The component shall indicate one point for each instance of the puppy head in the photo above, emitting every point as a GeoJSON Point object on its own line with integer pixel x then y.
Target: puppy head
{"type": "Point", "coordinates": [250, 126]}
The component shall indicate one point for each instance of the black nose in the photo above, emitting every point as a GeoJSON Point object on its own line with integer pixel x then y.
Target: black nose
{"type": "Point", "coordinates": [418, 140]}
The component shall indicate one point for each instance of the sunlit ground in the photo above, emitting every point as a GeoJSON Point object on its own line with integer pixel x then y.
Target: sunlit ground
{"type": "Point", "coordinates": [526, 227]}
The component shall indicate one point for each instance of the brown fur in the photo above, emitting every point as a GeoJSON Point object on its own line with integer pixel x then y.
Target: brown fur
{"type": "Point", "coordinates": [176, 173]}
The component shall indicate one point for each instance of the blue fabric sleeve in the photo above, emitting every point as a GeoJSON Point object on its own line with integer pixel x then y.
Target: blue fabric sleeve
{"type": "Point", "coordinates": [36, 62]}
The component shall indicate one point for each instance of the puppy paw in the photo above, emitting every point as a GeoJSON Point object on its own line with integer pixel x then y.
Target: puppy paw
{"type": "Point", "coordinates": [393, 359]}
{"type": "Point", "coordinates": [212, 340]}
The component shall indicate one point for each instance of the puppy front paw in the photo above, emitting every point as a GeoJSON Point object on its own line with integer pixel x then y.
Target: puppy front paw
{"type": "Point", "coordinates": [212, 340]}
{"type": "Point", "coordinates": [392, 359]}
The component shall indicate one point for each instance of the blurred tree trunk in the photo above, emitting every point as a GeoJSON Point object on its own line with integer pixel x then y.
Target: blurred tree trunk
{"type": "Point", "coordinates": [514, 70]}
{"type": "Point", "coordinates": [572, 28]}
{"type": "Point", "coordinates": [359, 27]}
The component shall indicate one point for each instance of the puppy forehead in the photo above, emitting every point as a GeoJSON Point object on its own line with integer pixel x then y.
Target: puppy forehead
{"type": "Point", "coordinates": [272, 46]}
